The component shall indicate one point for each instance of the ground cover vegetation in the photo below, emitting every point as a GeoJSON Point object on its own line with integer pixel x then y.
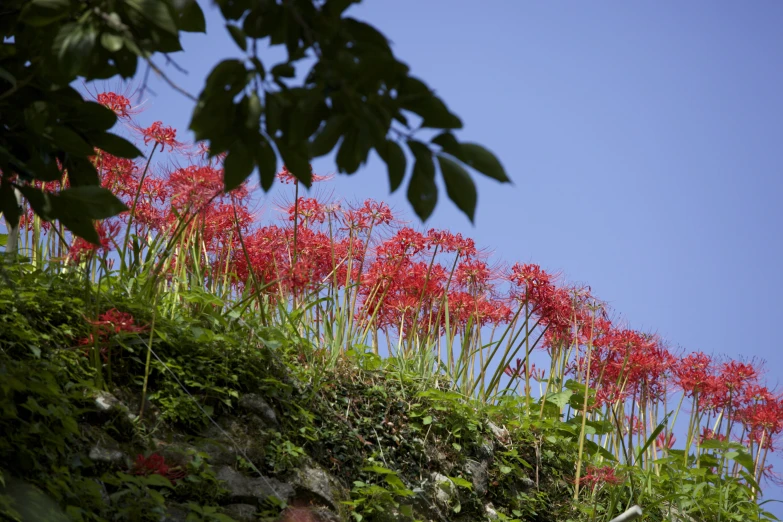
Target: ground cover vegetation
{"type": "Point", "coordinates": [325, 339]}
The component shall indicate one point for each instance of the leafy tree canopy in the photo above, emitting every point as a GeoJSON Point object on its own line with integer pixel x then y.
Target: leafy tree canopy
{"type": "Point", "coordinates": [356, 97]}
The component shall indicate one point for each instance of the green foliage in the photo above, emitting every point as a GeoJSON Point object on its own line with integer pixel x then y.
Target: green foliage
{"type": "Point", "coordinates": [383, 427]}
{"type": "Point", "coordinates": [356, 97]}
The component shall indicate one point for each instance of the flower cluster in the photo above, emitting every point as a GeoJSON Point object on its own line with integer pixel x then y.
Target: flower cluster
{"type": "Point", "coordinates": [155, 464]}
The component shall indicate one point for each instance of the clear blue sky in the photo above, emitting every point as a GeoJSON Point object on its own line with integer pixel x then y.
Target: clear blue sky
{"type": "Point", "coordinates": [645, 141]}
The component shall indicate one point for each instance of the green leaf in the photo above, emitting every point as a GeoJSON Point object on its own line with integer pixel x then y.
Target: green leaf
{"type": "Point", "coordinates": [9, 206]}
{"type": "Point", "coordinates": [560, 398]}
{"type": "Point", "coordinates": [422, 190]}
{"type": "Point", "coordinates": [71, 142]}
{"type": "Point", "coordinates": [115, 145]}
{"type": "Point", "coordinates": [89, 201]}
{"type": "Point", "coordinates": [349, 156]}
{"type": "Point", "coordinates": [427, 420]}
{"type": "Point", "coordinates": [73, 46]}
{"type": "Point", "coordinates": [459, 186]}
{"type": "Point", "coordinates": [461, 482]}
{"type": "Point", "coordinates": [39, 13]}
{"type": "Point", "coordinates": [449, 144]}
{"type": "Point", "coordinates": [238, 35]}
{"type": "Point", "coordinates": [266, 159]}
{"type": "Point", "coordinates": [190, 17]}
{"type": "Point", "coordinates": [227, 79]}
{"type": "Point", "coordinates": [415, 96]}
{"type": "Point", "coordinates": [395, 160]}
{"type": "Point", "coordinates": [7, 76]}
{"type": "Point", "coordinates": [283, 70]}
{"type": "Point", "coordinates": [112, 42]}
{"type": "Point", "coordinates": [296, 162]}
{"type": "Point", "coordinates": [713, 444]}
{"type": "Point", "coordinates": [156, 13]}
{"type": "Point", "coordinates": [237, 166]}
{"type": "Point", "coordinates": [328, 136]}
{"type": "Point", "coordinates": [479, 158]}
{"type": "Point", "coordinates": [505, 470]}
{"type": "Point", "coordinates": [657, 431]}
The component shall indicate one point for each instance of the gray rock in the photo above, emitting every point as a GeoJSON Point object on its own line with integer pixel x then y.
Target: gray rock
{"type": "Point", "coordinates": [500, 434]}
{"type": "Point", "coordinates": [176, 513]}
{"type": "Point", "coordinates": [310, 480]}
{"type": "Point", "coordinates": [479, 475]}
{"type": "Point", "coordinates": [108, 404]}
{"type": "Point", "coordinates": [252, 403]}
{"type": "Point", "coordinates": [107, 454]}
{"type": "Point", "coordinates": [445, 490]}
{"type": "Point", "coordinates": [489, 509]}
{"type": "Point", "coordinates": [219, 453]}
{"type": "Point", "coordinates": [240, 512]}
{"type": "Point", "coordinates": [105, 402]}
{"type": "Point", "coordinates": [252, 490]}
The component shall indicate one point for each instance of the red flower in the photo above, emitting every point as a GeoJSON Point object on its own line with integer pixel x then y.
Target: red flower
{"type": "Point", "coordinates": [595, 476]}
{"type": "Point", "coordinates": [155, 465]}
{"type": "Point", "coordinates": [116, 102]}
{"type": "Point", "coordinates": [161, 135]}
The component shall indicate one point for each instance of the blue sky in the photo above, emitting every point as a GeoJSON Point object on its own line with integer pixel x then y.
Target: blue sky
{"type": "Point", "coordinates": [645, 141]}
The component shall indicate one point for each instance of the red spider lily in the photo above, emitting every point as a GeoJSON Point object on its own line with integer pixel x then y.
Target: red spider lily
{"type": "Point", "coordinates": [596, 476]}
{"type": "Point", "coordinates": [708, 434]}
{"type": "Point", "coordinates": [666, 441]}
{"type": "Point", "coordinates": [307, 211]}
{"type": "Point", "coordinates": [520, 370]}
{"type": "Point", "coordinates": [692, 373]}
{"type": "Point", "coordinates": [155, 465]}
{"type": "Point", "coordinates": [116, 102]}
{"type": "Point", "coordinates": [161, 136]}
{"type": "Point", "coordinates": [446, 242]}
{"type": "Point", "coordinates": [192, 187]}
{"type": "Point", "coordinates": [114, 321]}
{"type": "Point", "coordinates": [474, 276]}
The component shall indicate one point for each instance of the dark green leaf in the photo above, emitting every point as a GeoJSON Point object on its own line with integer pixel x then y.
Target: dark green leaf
{"type": "Point", "coordinates": [39, 13]}
{"type": "Point", "coordinates": [349, 156]}
{"type": "Point", "coordinates": [7, 76]}
{"type": "Point", "coordinates": [38, 200]}
{"type": "Point", "coordinates": [190, 17]}
{"type": "Point", "coordinates": [238, 35]}
{"type": "Point", "coordinates": [328, 136]}
{"type": "Point", "coordinates": [93, 116]}
{"type": "Point", "coordinates": [422, 190]}
{"type": "Point", "coordinates": [283, 70]}
{"type": "Point", "coordinates": [395, 162]}
{"type": "Point", "coordinates": [266, 159]}
{"type": "Point", "coordinates": [212, 118]}
{"type": "Point", "coordinates": [459, 186]}
{"type": "Point", "coordinates": [157, 13]}
{"type": "Point", "coordinates": [237, 166]}
{"type": "Point", "coordinates": [479, 158]}
{"type": "Point", "coordinates": [71, 142]}
{"type": "Point", "coordinates": [81, 171]}
{"type": "Point", "coordinates": [415, 96]}
{"type": "Point", "coordinates": [297, 163]}
{"type": "Point", "coordinates": [9, 206]}
{"type": "Point", "coordinates": [73, 45]}
{"type": "Point", "coordinates": [115, 145]}
{"type": "Point", "coordinates": [365, 33]}
{"type": "Point", "coordinates": [449, 144]}
{"type": "Point", "coordinates": [89, 201]}
{"type": "Point", "coordinates": [228, 78]}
